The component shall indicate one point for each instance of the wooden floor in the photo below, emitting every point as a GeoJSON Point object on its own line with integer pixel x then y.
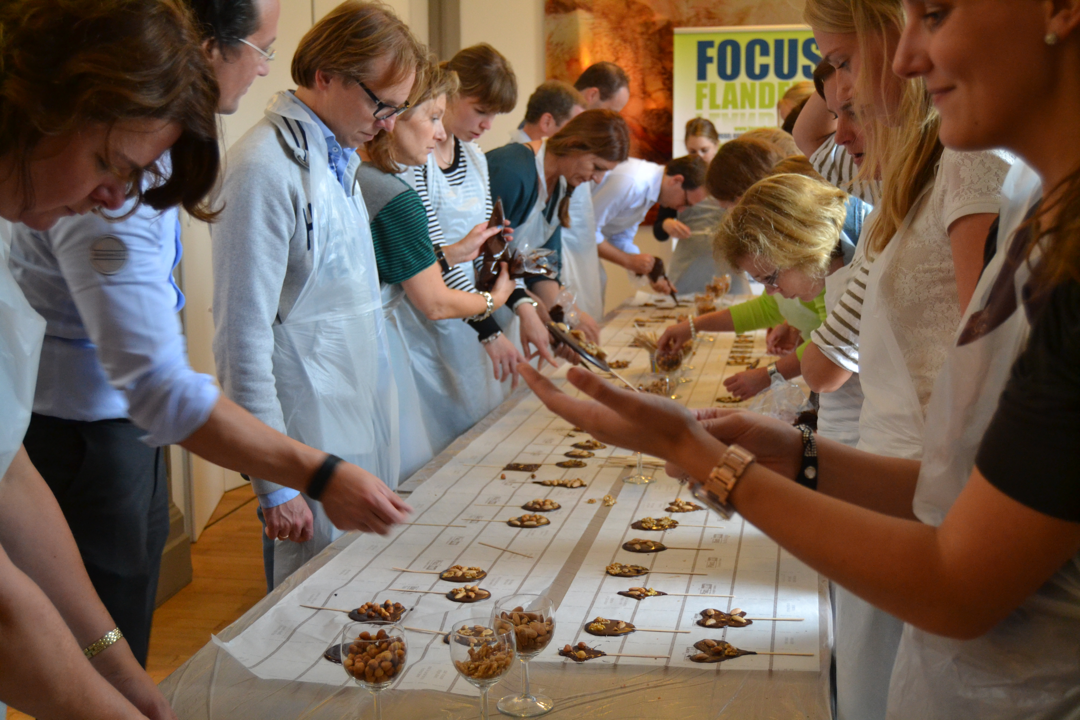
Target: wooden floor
{"type": "Point", "coordinates": [228, 580]}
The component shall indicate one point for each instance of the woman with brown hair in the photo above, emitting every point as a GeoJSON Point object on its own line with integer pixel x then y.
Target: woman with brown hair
{"type": "Point", "coordinates": [535, 181]}
{"type": "Point", "coordinates": [444, 379]}
{"type": "Point", "coordinates": [92, 92]}
{"type": "Point", "coordinates": [456, 182]}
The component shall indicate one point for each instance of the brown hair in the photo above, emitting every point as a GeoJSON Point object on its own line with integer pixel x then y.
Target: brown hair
{"type": "Point", "coordinates": [555, 97]}
{"type": "Point", "coordinates": [602, 133]}
{"type": "Point", "coordinates": [692, 168]}
{"type": "Point", "coordinates": [738, 164]}
{"type": "Point", "coordinates": [607, 77]}
{"type": "Point", "coordinates": [486, 77]}
{"type": "Point", "coordinates": [822, 72]}
{"type": "Point", "coordinates": [351, 40]}
{"type": "Point", "coordinates": [431, 82]}
{"type": "Point", "coordinates": [700, 127]}
{"type": "Point", "coordinates": [782, 140]}
{"type": "Point", "coordinates": [68, 63]}
{"type": "Point", "coordinates": [1060, 260]}
{"type": "Point", "coordinates": [796, 165]}
{"type": "Point", "coordinates": [798, 92]}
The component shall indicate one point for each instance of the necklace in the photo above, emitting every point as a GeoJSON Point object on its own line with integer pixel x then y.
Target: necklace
{"type": "Point", "coordinates": [445, 162]}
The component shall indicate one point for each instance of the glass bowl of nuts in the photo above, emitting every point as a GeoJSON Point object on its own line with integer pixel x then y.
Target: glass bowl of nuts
{"type": "Point", "coordinates": [482, 654]}
{"type": "Point", "coordinates": [373, 654]}
{"type": "Point", "coordinates": [532, 618]}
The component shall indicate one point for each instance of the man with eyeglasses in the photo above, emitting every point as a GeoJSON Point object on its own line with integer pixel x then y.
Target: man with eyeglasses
{"type": "Point", "coordinates": [625, 197]}
{"type": "Point", "coordinates": [299, 338]}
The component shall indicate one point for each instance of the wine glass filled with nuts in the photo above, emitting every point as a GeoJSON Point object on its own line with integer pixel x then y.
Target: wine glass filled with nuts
{"type": "Point", "coordinates": [482, 654]}
{"type": "Point", "coordinates": [532, 618]}
{"type": "Point", "coordinates": [373, 654]}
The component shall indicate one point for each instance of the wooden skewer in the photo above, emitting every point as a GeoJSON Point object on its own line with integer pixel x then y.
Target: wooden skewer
{"type": "Point", "coordinates": [430, 525]}
{"type": "Point", "coordinates": [496, 547]}
{"type": "Point", "coordinates": [665, 657]}
{"type": "Point", "coordinates": [320, 607]}
{"type": "Point", "coordinates": [428, 592]}
{"type": "Point", "coordinates": [422, 630]}
{"type": "Point", "coordinates": [783, 653]}
{"type": "Point", "coordinates": [424, 572]}
{"type": "Point", "coordinates": [697, 595]}
{"type": "Point", "coordinates": [702, 547]}
{"type": "Point", "coordinates": [777, 619]}
{"type": "Point", "coordinates": [665, 572]}
{"type": "Point", "coordinates": [655, 630]}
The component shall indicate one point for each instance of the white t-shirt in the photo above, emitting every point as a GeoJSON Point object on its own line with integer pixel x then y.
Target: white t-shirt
{"type": "Point", "coordinates": [621, 202]}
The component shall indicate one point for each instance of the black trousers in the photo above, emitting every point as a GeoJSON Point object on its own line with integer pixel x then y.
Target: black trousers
{"type": "Point", "coordinates": [113, 491]}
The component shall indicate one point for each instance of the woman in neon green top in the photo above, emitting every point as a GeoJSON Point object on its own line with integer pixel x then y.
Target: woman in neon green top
{"type": "Point", "coordinates": [786, 234]}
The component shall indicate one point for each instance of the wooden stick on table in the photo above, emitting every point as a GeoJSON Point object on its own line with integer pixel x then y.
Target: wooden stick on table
{"type": "Point", "coordinates": [496, 547]}
{"type": "Point", "coordinates": [655, 630]}
{"type": "Point", "coordinates": [428, 592]}
{"type": "Point", "coordinates": [430, 525]}
{"type": "Point", "coordinates": [701, 547]}
{"type": "Point", "coordinates": [777, 619]}
{"type": "Point", "coordinates": [665, 657]}
{"type": "Point", "coordinates": [697, 595]}
{"type": "Point", "coordinates": [422, 630]}
{"type": "Point", "coordinates": [320, 607]}
{"type": "Point", "coordinates": [783, 653]}
{"type": "Point", "coordinates": [666, 572]}
{"type": "Point", "coordinates": [425, 572]}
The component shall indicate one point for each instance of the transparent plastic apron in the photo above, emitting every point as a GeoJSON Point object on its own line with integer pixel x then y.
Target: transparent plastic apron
{"type": "Point", "coordinates": [461, 208]}
{"type": "Point", "coordinates": [21, 333]}
{"type": "Point", "coordinates": [580, 261]}
{"type": "Point", "coordinates": [1028, 666]}
{"type": "Point", "coordinates": [891, 424]}
{"type": "Point", "coordinates": [797, 315]}
{"type": "Point", "coordinates": [331, 356]}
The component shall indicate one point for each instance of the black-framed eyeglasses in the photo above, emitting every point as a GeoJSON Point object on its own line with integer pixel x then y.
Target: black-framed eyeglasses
{"type": "Point", "coordinates": [383, 111]}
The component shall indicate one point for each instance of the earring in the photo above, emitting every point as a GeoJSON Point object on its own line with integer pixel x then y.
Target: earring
{"type": "Point", "coordinates": [1051, 38]}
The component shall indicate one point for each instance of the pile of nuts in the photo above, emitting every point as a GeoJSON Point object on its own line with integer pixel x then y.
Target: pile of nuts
{"type": "Point", "coordinates": [579, 454]}
{"type": "Point", "coordinates": [476, 631]}
{"type": "Point", "coordinates": [487, 661]}
{"type": "Point", "coordinates": [656, 387]}
{"type": "Point", "coordinates": [608, 500]}
{"type": "Point", "coordinates": [372, 611]}
{"type": "Point", "coordinates": [375, 660]}
{"type": "Point", "coordinates": [643, 546]}
{"type": "Point", "coordinates": [590, 444]}
{"type": "Point", "coordinates": [714, 651]}
{"type": "Point", "coordinates": [668, 362]}
{"type": "Point", "coordinates": [728, 400]}
{"type": "Point", "coordinates": [460, 573]}
{"type": "Point", "coordinates": [682, 506]}
{"type": "Point", "coordinates": [603, 626]}
{"type": "Point", "coordinates": [575, 483]}
{"type": "Point", "coordinates": [663, 523]}
{"type": "Point", "coordinates": [528, 521]}
{"type": "Point", "coordinates": [532, 630]}
{"type": "Point", "coordinates": [620, 570]}
{"type": "Point", "coordinates": [640, 593]}
{"type": "Point", "coordinates": [719, 619]}
{"type": "Point", "coordinates": [581, 652]}
{"type": "Point", "coordinates": [541, 505]}
{"type": "Point", "coordinates": [571, 464]}
{"type": "Point", "coordinates": [468, 594]}
{"type": "Point", "coordinates": [619, 364]}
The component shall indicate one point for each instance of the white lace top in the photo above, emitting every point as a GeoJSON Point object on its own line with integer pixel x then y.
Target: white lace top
{"type": "Point", "coordinates": [919, 287]}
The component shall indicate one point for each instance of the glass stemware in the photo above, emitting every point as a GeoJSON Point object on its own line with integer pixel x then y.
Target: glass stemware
{"type": "Point", "coordinates": [532, 618]}
{"type": "Point", "coordinates": [638, 477]}
{"type": "Point", "coordinates": [373, 654]}
{"type": "Point", "coordinates": [482, 654]}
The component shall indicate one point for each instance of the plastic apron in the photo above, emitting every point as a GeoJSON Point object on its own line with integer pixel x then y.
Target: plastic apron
{"type": "Point", "coordinates": [891, 424]}
{"type": "Point", "coordinates": [836, 418]}
{"type": "Point", "coordinates": [446, 383]}
{"type": "Point", "coordinates": [460, 208]}
{"type": "Point", "coordinates": [797, 315]}
{"type": "Point", "coordinates": [21, 333]}
{"type": "Point", "coordinates": [331, 356]}
{"type": "Point", "coordinates": [1027, 666]}
{"type": "Point", "coordinates": [693, 262]}
{"type": "Point", "coordinates": [580, 262]}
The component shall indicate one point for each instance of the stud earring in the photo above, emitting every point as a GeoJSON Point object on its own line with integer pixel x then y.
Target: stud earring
{"type": "Point", "coordinates": [1051, 38]}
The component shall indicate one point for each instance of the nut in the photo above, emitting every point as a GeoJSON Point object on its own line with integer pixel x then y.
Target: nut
{"type": "Point", "coordinates": [375, 660]}
{"type": "Point", "coordinates": [487, 660]}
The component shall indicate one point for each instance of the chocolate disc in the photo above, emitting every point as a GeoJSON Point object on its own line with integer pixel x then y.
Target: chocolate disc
{"type": "Point", "coordinates": [523, 467]}
{"type": "Point", "coordinates": [637, 545]}
{"type": "Point", "coordinates": [579, 454]}
{"type": "Point", "coordinates": [459, 573]}
{"type": "Point", "coordinates": [715, 619]}
{"type": "Point", "coordinates": [369, 612]}
{"type": "Point", "coordinates": [333, 653]}
{"type": "Point", "coordinates": [640, 594]}
{"type": "Point", "coordinates": [715, 651]}
{"type": "Point", "coordinates": [462, 594]}
{"type": "Point", "coordinates": [681, 506]}
{"type": "Point", "coordinates": [655, 524]}
{"type": "Point", "coordinates": [620, 570]}
{"type": "Point", "coordinates": [605, 628]}
{"type": "Point", "coordinates": [572, 484]}
{"type": "Point", "coordinates": [541, 505]}
{"type": "Point", "coordinates": [581, 652]}
{"type": "Point", "coordinates": [528, 521]}
{"type": "Point", "coordinates": [572, 464]}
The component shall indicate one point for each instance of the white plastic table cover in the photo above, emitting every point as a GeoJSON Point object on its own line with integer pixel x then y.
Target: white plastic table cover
{"type": "Point", "coordinates": [269, 664]}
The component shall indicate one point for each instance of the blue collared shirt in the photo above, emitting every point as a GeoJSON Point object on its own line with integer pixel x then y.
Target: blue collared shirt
{"type": "Point", "coordinates": [338, 156]}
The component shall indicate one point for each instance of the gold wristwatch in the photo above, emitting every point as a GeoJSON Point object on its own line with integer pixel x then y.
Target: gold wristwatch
{"type": "Point", "coordinates": [722, 479]}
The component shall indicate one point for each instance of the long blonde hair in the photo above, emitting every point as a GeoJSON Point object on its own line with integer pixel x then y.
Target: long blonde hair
{"type": "Point", "coordinates": [791, 220]}
{"type": "Point", "coordinates": [902, 146]}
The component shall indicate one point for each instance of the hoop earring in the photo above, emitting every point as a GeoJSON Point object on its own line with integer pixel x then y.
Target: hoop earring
{"type": "Point", "coordinates": [1051, 38]}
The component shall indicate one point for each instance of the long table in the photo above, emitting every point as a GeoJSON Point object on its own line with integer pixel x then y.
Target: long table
{"type": "Point", "coordinates": [269, 662]}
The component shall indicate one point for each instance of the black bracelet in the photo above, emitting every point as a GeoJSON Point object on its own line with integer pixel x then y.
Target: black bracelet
{"type": "Point", "coordinates": [322, 476]}
{"type": "Point", "coordinates": [808, 473]}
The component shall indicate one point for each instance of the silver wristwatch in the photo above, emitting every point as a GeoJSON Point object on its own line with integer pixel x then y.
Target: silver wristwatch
{"type": "Point", "coordinates": [774, 373]}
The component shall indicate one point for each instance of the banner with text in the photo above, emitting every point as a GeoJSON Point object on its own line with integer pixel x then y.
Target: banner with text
{"type": "Point", "coordinates": [734, 76]}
